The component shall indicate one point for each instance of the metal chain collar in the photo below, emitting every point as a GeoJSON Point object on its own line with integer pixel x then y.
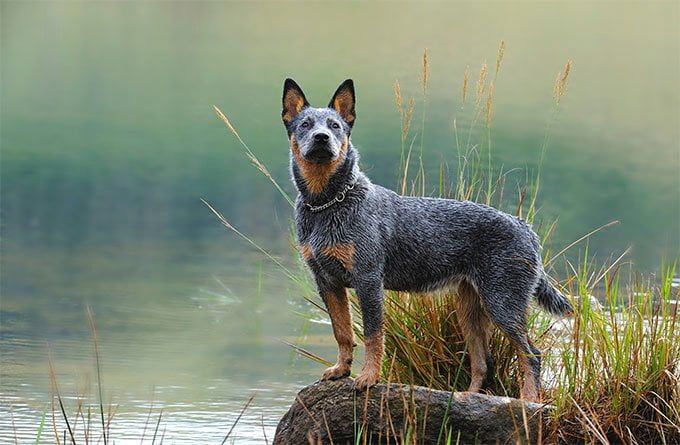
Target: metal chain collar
{"type": "Point", "coordinates": [338, 198]}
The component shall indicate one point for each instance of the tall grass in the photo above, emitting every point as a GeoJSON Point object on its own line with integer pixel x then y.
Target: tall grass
{"type": "Point", "coordinates": [616, 375]}
{"type": "Point", "coordinates": [611, 371]}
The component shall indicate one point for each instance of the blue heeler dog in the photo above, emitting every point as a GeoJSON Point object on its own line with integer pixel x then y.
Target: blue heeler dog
{"type": "Point", "coordinates": [354, 234]}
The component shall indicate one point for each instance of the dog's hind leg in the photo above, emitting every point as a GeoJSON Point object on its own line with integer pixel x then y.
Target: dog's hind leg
{"type": "Point", "coordinates": [476, 327]}
{"type": "Point", "coordinates": [508, 308]}
{"type": "Point", "coordinates": [337, 304]}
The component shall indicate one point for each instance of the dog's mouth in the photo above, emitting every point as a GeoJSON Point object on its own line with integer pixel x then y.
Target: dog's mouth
{"type": "Point", "coordinates": [319, 154]}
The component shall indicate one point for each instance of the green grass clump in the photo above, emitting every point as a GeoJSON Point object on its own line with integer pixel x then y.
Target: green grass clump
{"type": "Point", "coordinates": [616, 374]}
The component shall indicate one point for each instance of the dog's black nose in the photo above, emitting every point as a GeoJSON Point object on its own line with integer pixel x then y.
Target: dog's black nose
{"type": "Point", "coordinates": [321, 137]}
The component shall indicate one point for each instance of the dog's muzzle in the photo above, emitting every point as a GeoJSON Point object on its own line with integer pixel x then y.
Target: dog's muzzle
{"type": "Point", "coordinates": [321, 150]}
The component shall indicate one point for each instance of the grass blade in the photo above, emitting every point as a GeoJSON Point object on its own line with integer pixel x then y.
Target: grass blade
{"type": "Point", "coordinates": [95, 342]}
{"type": "Point", "coordinates": [245, 407]}
{"type": "Point", "coordinates": [55, 386]}
{"type": "Point", "coordinates": [253, 159]}
{"type": "Point", "coordinates": [40, 428]}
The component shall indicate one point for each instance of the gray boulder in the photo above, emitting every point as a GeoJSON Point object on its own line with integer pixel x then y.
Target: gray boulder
{"type": "Point", "coordinates": [336, 412]}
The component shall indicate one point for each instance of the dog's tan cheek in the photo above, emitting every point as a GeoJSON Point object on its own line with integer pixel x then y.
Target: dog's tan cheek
{"type": "Point", "coordinates": [294, 146]}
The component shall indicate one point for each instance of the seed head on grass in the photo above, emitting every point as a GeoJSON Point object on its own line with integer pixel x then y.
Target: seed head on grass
{"type": "Point", "coordinates": [466, 79]}
{"type": "Point", "coordinates": [405, 117]}
{"type": "Point", "coordinates": [408, 116]}
{"type": "Point", "coordinates": [488, 108]}
{"type": "Point", "coordinates": [481, 84]}
{"type": "Point", "coordinates": [424, 82]}
{"type": "Point", "coordinates": [405, 114]}
{"type": "Point", "coordinates": [397, 98]}
{"type": "Point", "coordinates": [560, 86]}
{"type": "Point", "coordinates": [499, 57]}
{"type": "Point", "coordinates": [426, 72]}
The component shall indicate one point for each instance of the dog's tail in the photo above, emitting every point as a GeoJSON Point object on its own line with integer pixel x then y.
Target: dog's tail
{"type": "Point", "coordinates": [551, 299]}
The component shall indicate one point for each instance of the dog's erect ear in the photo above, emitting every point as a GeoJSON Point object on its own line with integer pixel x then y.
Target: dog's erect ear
{"type": "Point", "coordinates": [343, 101]}
{"type": "Point", "coordinates": [293, 101]}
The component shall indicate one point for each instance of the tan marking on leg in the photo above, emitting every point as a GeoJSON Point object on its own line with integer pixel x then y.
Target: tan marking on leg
{"type": "Point", "coordinates": [374, 351]}
{"type": "Point", "coordinates": [476, 327]}
{"type": "Point", "coordinates": [343, 252]}
{"type": "Point", "coordinates": [306, 251]}
{"type": "Point", "coordinates": [477, 363]}
{"type": "Point", "coordinates": [341, 319]}
{"type": "Point", "coordinates": [316, 176]}
{"type": "Point", "coordinates": [528, 391]}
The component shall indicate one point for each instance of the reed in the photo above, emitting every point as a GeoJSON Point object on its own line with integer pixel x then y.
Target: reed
{"type": "Point", "coordinates": [71, 420]}
{"type": "Point", "coordinates": [88, 436]}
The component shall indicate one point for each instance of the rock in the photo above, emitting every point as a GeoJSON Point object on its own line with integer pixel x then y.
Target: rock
{"type": "Point", "coordinates": [337, 410]}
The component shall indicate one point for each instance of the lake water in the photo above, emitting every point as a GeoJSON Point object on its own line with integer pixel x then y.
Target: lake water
{"type": "Point", "coordinates": [109, 141]}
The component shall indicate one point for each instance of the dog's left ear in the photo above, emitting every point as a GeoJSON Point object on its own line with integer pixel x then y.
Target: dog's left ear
{"type": "Point", "coordinates": [343, 101]}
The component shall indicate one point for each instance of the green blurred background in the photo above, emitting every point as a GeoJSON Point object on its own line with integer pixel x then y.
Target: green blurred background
{"type": "Point", "coordinates": [109, 141]}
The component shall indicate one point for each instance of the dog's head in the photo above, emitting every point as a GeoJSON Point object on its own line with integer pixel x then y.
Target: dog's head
{"type": "Point", "coordinates": [318, 135]}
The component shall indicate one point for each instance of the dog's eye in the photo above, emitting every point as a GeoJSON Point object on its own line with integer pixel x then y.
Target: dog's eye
{"type": "Point", "coordinates": [335, 125]}
{"type": "Point", "coordinates": [305, 124]}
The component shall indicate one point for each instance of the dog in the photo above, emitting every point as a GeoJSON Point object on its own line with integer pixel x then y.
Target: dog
{"type": "Point", "coordinates": [355, 234]}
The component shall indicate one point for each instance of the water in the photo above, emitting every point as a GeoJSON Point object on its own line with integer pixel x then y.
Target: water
{"type": "Point", "coordinates": [109, 141]}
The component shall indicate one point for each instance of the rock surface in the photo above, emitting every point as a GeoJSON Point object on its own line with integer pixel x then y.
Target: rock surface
{"type": "Point", "coordinates": [336, 410]}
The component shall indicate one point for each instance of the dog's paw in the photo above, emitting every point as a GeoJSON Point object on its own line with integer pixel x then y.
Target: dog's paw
{"type": "Point", "coordinates": [367, 378]}
{"type": "Point", "coordinates": [336, 372]}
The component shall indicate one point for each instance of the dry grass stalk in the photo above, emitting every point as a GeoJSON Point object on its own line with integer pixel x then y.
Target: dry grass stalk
{"type": "Point", "coordinates": [466, 79]}
{"type": "Point", "coordinates": [229, 226]}
{"type": "Point", "coordinates": [425, 71]}
{"type": "Point", "coordinates": [408, 117]}
{"type": "Point", "coordinates": [499, 57]}
{"type": "Point", "coordinates": [251, 156]}
{"type": "Point", "coordinates": [55, 392]}
{"type": "Point", "coordinates": [243, 410]}
{"type": "Point", "coordinates": [397, 98]}
{"type": "Point", "coordinates": [481, 84]}
{"type": "Point", "coordinates": [404, 179]}
{"type": "Point", "coordinates": [226, 121]}
{"type": "Point", "coordinates": [256, 162]}
{"type": "Point", "coordinates": [560, 87]}
{"type": "Point", "coordinates": [488, 109]}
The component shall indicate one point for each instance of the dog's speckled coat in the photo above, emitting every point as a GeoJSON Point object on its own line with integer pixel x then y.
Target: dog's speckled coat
{"type": "Point", "coordinates": [371, 239]}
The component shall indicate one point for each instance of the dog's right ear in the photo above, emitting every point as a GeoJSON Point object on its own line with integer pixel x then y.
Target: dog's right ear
{"type": "Point", "coordinates": [293, 101]}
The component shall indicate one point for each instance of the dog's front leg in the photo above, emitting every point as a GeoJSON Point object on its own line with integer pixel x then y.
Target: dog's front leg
{"type": "Point", "coordinates": [371, 300]}
{"type": "Point", "coordinates": [337, 304]}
